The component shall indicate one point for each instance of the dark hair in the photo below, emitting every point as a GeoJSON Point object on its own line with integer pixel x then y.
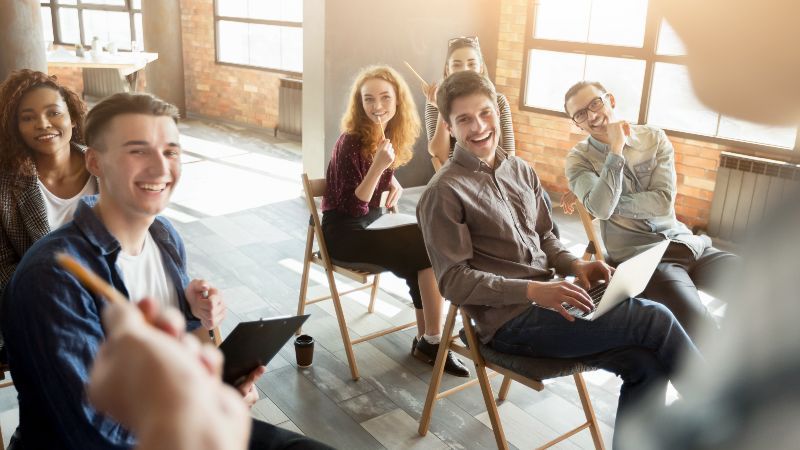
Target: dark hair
{"type": "Point", "coordinates": [124, 103]}
{"type": "Point", "coordinates": [15, 156]}
{"type": "Point", "coordinates": [462, 42]}
{"type": "Point", "coordinates": [577, 87]}
{"type": "Point", "coordinates": [461, 84]}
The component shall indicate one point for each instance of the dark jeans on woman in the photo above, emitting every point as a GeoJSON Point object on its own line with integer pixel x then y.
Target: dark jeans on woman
{"type": "Point", "coordinates": [400, 250]}
{"type": "Point", "coordinates": [639, 340]}
{"type": "Point", "coordinates": [678, 277]}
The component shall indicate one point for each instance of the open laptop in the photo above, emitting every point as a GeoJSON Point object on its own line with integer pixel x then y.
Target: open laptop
{"type": "Point", "coordinates": [629, 280]}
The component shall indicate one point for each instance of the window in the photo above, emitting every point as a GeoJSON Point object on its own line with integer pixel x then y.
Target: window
{"type": "Point", "coordinates": [70, 22]}
{"type": "Point", "coordinates": [267, 34]}
{"type": "Point", "coordinates": [642, 63]}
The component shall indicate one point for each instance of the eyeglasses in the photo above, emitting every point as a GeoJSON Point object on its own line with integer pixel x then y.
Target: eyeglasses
{"type": "Point", "coordinates": [469, 40]}
{"type": "Point", "coordinates": [595, 105]}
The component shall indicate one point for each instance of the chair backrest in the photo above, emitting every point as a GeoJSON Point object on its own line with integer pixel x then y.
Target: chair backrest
{"type": "Point", "coordinates": [313, 189]}
{"type": "Point", "coordinates": [595, 247]}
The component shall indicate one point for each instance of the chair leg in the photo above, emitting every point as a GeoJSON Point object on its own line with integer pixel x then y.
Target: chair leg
{"type": "Point", "coordinates": [486, 387]}
{"type": "Point", "coordinates": [301, 302]}
{"type": "Point", "coordinates": [376, 279]}
{"type": "Point", "coordinates": [348, 345]}
{"type": "Point", "coordinates": [588, 410]}
{"type": "Point", "coordinates": [504, 388]}
{"type": "Point", "coordinates": [438, 371]}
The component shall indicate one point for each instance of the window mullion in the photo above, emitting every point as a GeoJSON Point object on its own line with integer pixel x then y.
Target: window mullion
{"type": "Point", "coordinates": [651, 31]}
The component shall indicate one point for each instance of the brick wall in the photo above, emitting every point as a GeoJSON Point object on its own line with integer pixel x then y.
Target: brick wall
{"type": "Point", "coordinates": [543, 140]}
{"type": "Point", "coordinates": [71, 77]}
{"type": "Point", "coordinates": [242, 95]}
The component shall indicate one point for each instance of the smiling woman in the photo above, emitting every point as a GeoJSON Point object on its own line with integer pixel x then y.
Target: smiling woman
{"type": "Point", "coordinates": [42, 169]}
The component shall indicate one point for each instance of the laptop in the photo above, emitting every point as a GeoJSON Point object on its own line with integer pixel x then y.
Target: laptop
{"type": "Point", "coordinates": [253, 344]}
{"type": "Point", "coordinates": [629, 280]}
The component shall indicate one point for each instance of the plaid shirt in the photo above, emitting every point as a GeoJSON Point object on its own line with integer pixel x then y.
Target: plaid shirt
{"type": "Point", "coordinates": [23, 221]}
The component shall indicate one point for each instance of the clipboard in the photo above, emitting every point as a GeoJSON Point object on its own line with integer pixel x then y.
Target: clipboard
{"type": "Point", "coordinates": [253, 344]}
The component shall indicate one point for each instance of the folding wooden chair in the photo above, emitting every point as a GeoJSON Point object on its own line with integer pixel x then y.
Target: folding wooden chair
{"type": "Point", "coordinates": [595, 247]}
{"type": "Point", "coordinates": [360, 273]}
{"type": "Point", "coordinates": [525, 370]}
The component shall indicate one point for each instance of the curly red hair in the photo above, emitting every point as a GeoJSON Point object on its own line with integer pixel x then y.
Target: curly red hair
{"type": "Point", "coordinates": [403, 129]}
{"type": "Point", "coordinates": [15, 156]}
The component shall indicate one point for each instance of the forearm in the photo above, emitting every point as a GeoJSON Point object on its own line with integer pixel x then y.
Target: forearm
{"type": "Point", "coordinates": [439, 145]}
{"type": "Point", "coordinates": [466, 286]}
{"type": "Point", "coordinates": [600, 194]}
{"type": "Point", "coordinates": [366, 189]}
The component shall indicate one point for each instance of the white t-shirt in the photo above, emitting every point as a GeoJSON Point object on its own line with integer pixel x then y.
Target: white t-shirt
{"type": "Point", "coordinates": [60, 210]}
{"type": "Point", "coordinates": [144, 275]}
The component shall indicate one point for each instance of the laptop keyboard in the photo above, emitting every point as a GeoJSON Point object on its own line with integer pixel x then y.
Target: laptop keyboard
{"type": "Point", "coordinates": [596, 293]}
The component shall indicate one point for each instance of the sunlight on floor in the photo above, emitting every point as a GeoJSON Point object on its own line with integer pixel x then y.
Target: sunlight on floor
{"type": "Point", "coordinates": [219, 179]}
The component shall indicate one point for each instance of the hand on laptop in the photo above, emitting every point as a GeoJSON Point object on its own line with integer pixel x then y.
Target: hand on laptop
{"type": "Point", "coordinates": [553, 294]}
{"type": "Point", "coordinates": [205, 303]}
{"type": "Point", "coordinates": [162, 384]}
{"type": "Point", "coordinates": [588, 273]}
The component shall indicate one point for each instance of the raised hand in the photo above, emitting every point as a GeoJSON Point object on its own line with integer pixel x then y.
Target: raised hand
{"type": "Point", "coordinates": [384, 157]}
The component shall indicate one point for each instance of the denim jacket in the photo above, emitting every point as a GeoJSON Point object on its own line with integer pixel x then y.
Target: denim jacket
{"type": "Point", "coordinates": [52, 329]}
{"type": "Point", "coordinates": [633, 195]}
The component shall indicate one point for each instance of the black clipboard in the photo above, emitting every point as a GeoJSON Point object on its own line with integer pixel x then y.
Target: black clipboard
{"type": "Point", "coordinates": [253, 344]}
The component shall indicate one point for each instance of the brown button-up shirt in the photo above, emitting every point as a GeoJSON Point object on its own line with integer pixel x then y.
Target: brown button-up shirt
{"type": "Point", "coordinates": [488, 232]}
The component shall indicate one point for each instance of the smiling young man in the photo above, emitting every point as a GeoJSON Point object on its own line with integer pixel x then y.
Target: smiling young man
{"type": "Point", "coordinates": [625, 176]}
{"type": "Point", "coordinates": [52, 323]}
{"type": "Point", "coordinates": [489, 237]}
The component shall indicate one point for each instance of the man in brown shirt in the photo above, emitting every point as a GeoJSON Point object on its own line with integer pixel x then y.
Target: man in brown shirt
{"type": "Point", "coordinates": [490, 241]}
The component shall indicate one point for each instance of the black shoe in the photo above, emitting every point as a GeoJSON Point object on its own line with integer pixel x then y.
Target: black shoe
{"type": "Point", "coordinates": [425, 351]}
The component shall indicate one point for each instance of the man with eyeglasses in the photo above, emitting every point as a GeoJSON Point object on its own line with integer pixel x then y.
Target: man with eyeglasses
{"type": "Point", "coordinates": [625, 176]}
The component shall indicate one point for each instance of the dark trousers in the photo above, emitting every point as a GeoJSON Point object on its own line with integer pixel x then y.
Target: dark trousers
{"type": "Point", "coordinates": [269, 437]}
{"type": "Point", "coordinates": [678, 277]}
{"type": "Point", "coordinates": [400, 250]}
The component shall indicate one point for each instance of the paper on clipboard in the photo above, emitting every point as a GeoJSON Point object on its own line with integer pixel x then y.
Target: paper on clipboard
{"type": "Point", "coordinates": [392, 221]}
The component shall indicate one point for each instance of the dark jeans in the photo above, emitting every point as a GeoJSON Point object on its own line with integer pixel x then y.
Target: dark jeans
{"type": "Point", "coordinates": [678, 277]}
{"type": "Point", "coordinates": [639, 340]}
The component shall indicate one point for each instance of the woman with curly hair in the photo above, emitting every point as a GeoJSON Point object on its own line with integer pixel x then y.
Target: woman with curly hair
{"type": "Point", "coordinates": [378, 133]}
{"type": "Point", "coordinates": [42, 170]}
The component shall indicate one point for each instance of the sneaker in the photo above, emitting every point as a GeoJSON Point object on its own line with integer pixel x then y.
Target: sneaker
{"type": "Point", "coordinates": [425, 351]}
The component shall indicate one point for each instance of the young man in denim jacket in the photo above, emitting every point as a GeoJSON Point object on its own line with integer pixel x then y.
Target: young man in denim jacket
{"type": "Point", "coordinates": [625, 176]}
{"type": "Point", "coordinates": [51, 322]}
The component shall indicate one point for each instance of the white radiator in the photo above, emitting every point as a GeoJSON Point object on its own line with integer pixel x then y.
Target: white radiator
{"type": "Point", "coordinates": [290, 107]}
{"type": "Point", "coordinates": [746, 188]}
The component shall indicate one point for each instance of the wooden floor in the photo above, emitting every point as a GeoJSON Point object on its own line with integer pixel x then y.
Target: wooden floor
{"type": "Point", "coordinates": [240, 212]}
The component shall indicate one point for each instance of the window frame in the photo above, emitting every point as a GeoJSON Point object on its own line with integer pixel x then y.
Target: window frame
{"type": "Point", "coordinates": [280, 23]}
{"type": "Point", "coordinates": [84, 5]}
{"type": "Point", "coordinates": [648, 54]}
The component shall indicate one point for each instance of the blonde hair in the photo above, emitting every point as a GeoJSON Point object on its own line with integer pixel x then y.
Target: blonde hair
{"type": "Point", "coordinates": [403, 129]}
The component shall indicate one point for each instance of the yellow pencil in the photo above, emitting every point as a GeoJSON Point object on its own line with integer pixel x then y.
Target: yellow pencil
{"type": "Point", "coordinates": [415, 72]}
{"type": "Point", "coordinates": [90, 280]}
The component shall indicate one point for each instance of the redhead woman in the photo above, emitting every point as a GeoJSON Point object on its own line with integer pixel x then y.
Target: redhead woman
{"type": "Point", "coordinates": [378, 132]}
{"type": "Point", "coordinates": [42, 170]}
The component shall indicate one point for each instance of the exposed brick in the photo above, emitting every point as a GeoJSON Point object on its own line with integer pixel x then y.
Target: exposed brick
{"type": "Point", "coordinates": [246, 95]}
